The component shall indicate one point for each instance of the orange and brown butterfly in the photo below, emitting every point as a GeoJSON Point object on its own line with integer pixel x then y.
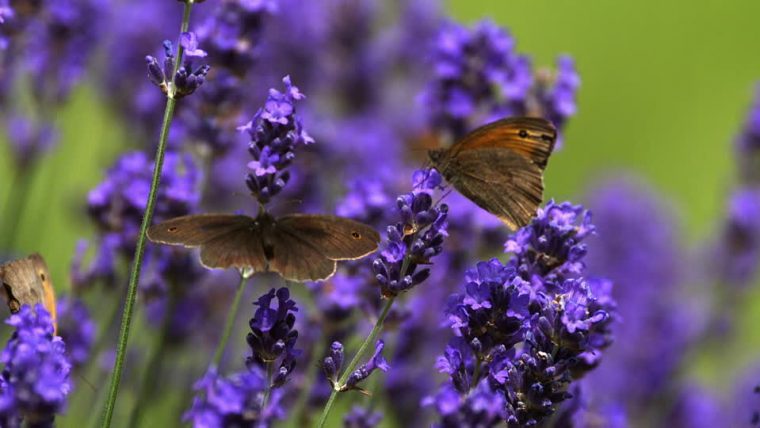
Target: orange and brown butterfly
{"type": "Point", "coordinates": [27, 282]}
{"type": "Point", "coordinates": [299, 247]}
{"type": "Point", "coordinates": [500, 166]}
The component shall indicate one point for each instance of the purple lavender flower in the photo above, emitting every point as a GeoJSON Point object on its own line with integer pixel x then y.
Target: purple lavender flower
{"type": "Point", "coordinates": [35, 380]}
{"type": "Point", "coordinates": [59, 42]}
{"type": "Point", "coordinates": [6, 13]}
{"type": "Point", "coordinates": [362, 417]}
{"type": "Point", "coordinates": [234, 401]}
{"type": "Point", "coordinates": [186, 80]}
{"type": "Point", "coordinates": [483, 407]}
{"type": "Point", "coordinates": [116, 206]}
{"type": "Point", "coordinates": [377, 361]}
{"type": "Point", "coordinates": [189, 42]}
{"type": "Point", "coordinates": [530, 326]}
{"type": "Point", "coordinates": [479, 77]}
{"type": "Point", "coordinates": [658, 315]}
{"type": "Point", "coordinates": [272, 335]}
{"type": "Point", "coordinates": [77, 329]}
{"type": "Point", "coordinates": [734, 259]}
{"type": "Point", "coordinates": [29, 139]}
{"type": "Point", "coordinates": [413, 241]}
{"type": "Point", "coordinates": [275, 132]}
{"type": "Point", "coordinates": [748, 144]}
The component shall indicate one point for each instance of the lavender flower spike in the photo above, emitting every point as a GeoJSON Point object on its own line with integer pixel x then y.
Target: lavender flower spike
{"type": "Point", "coordinates": [35, 380]}
{"type": "Point", "coordinates": [275, 132]}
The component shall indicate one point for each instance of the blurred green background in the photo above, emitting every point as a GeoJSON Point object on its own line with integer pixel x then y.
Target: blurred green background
{"type": "Point", "coordinates": [665, 87]}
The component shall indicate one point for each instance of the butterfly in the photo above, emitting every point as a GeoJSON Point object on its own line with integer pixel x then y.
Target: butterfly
{"type": "Point", "coordinates": [500, 166]}
{"type": "Point", "coordinates": [300, 247]}
{"type": "Point", "coordinates": [27, 282]}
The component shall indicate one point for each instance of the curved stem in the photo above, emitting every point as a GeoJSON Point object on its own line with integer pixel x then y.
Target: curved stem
{"type": "Point", "coordinates": [355, 361]}
{"type": "Point", "coordinates": [126, 319]}
{"type": "Point", "coordinates": [230, 322]}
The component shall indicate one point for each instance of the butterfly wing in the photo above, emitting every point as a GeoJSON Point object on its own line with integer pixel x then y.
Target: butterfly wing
{"type": "Point", "coordinates": [305, 247]}
{"type": "Point", "coordinates": [530, 137]}
{"type": "Point", "coordinates": [338, 238]}
{"type": "Point", "coordinates": [27, 282]}
{"type": "Point", "coordinates": [501, 182]}
{"type": "Point", "coordinates": [226, 240]}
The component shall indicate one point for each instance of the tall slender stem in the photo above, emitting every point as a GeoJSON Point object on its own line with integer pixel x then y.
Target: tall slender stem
{"type": "Point", "coordinates": [129, 304]}
{"type": "Point", "coordinates": [357, 357]}
{"type": "Point", "coordinates": [230, 322]}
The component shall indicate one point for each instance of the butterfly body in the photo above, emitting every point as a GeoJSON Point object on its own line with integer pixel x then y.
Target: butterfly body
{"type": "Point", "coordinates": [300, 247]}
{"type": "Point", "coordinates": [500, 166]}
{"type": "Point", "coordinates": [27, 282]}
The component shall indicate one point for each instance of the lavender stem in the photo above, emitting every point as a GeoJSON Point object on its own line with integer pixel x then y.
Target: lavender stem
{"type": "Point", "coordinates": [134, 278]}
{"type": "Point", "coordinates": [230, 322]}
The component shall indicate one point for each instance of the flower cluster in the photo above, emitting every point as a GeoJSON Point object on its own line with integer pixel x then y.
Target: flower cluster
{"type": "Point", "coordinates": [35, 380]}
{"type": "Point", "coordinates": [414, 240]}
{"type": "Point", "coordinates": [234, 401]}
{"type": "Point", "coordinates": [117, 204]}
{"type": "Point", "coordinates": [528, 327]}
{"type": "Point", "coordinates": [275, 132]}
{"type": "Point", "coordinates": [253, 397]}
{"type": "Point", "coordinates": [272, 337]}
{"type": "Point", "coordinates": [186, 80]}
{"type": "Point", "coordinates": [333, 363]}
{"type": "Point", "coordinates": [480, 77]}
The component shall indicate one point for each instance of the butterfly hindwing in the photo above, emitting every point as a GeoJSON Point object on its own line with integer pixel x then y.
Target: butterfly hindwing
{"type": "Point", "coordinates": [296, 258]}
{"type": "Point", "coordinates": [337, 238]}
{"type": "Point", "coordinates": [501, 182]}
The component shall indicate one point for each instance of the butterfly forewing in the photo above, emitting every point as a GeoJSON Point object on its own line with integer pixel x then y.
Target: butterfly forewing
{"type": "Point", "coordinates": [337, 238]}
{"type": "Point", "coordinates": [501, 182]}
{"type": "Point", "coordinates": [530, 137]}
{"type": "Point", "coordinates": [196, 230]}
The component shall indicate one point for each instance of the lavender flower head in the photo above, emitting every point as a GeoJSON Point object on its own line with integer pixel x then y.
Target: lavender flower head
{"type": "Point", "coordinates": [253, 398]}
{"type": "Point", "coordinates": [415, 239]}
{"type": "Point", "coordinates": [528, 327]}
{"type": "Point", "coordinates": [748, 144]}
{"type": "Point", "coordinates": [234, 401]}
{"type": "Point", "coordinates": [275, 132]}
{"type": "Point", "coordinates": [479, 77]}
{"type": "Point", "coordinates": [273, 336]}
{"type": "Point", "coordinates": [35, 378]}
{"type": "Point", "coordinates": [186, 80]}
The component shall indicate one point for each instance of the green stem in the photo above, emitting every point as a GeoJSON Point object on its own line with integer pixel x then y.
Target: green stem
{"type": "Point", "coordinates": [126, 319]}
{"type": "Point", "coordinates": [153, 368]}
{"type": "Point", "coordinates": [355, 361]}
{"type": "Point", "coordinates": [230, 322]}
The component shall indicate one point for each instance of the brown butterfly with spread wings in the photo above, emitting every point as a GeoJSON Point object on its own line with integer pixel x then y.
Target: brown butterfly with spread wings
{"type": "Point", "coordinates": [300, 247]}
{"type": "Point", "coordinates": [500, 166]}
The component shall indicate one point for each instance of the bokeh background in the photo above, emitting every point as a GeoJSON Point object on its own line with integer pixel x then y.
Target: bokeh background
{"type": "Point", "coordinates": [665, 90]}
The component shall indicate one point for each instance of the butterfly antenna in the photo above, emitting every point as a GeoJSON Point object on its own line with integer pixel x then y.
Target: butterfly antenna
{"type": "Point", "coordinates": [289, 201]}
{"type": "Point", "coordinates": [447, 191]}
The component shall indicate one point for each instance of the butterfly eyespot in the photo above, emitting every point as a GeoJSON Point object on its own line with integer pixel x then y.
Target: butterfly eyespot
{"type": "Point", "coordinates": [42, 276]}
{"type": "Point", "coordinates": [172, 229]}
{"type": "Point", "coordinates": [356, 235]}
{"type": "Point", "coordinates": [523, 133]}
